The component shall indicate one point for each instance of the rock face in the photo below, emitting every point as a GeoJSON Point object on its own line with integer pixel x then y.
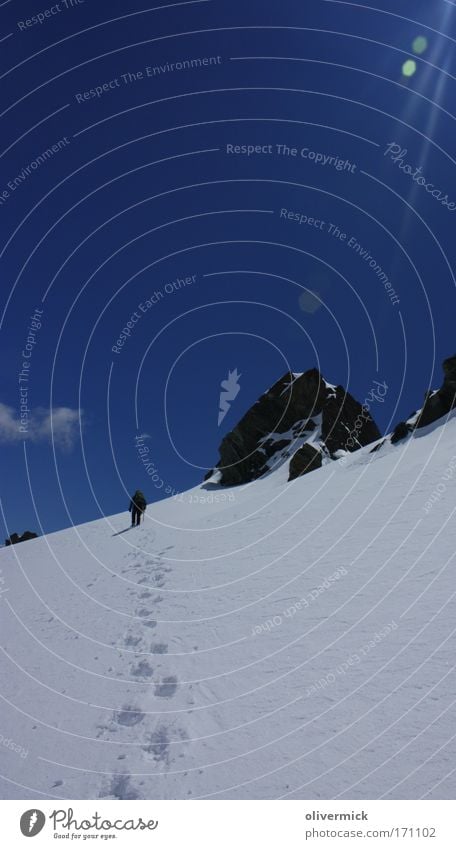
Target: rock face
{"type": "Point", "coordinates": [301, 419]}
{"type": "Point", "coordinates": [15, 538]}
{"type": "Point", "coordinates": [437, 403]}
{"type": "Point", "coordinates": [306, 459]}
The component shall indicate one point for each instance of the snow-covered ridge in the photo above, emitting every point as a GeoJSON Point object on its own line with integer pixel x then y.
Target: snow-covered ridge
{"type": "Point", "coordinates": [294, 640]}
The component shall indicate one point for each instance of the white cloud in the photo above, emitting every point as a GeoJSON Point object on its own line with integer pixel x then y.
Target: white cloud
{"type": "Point", "coordinates": [9, 425]}
{"type": "Point", "coordinates": [61, 427]}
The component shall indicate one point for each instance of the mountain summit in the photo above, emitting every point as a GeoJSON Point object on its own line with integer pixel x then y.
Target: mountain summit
{"type": "Point", "coordinates": [303, 420]}
{"type": "Point", "coordinates": [437, 403]}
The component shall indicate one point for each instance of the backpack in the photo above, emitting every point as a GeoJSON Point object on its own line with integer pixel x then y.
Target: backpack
{"type": "Point", "coordinates": [140, 500]}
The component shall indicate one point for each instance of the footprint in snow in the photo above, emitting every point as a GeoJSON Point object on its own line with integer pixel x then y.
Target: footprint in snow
{"type": "Point", "coordinates": [120, 788]}
{"type": "Point", "coordinates": [143, 669]}
{"type": "Point", "coordinates": [132, 640]}
{"type": "Point", "coordinates": [167, 688]}
{"type": "Point", "coordinates": [129, 716]}
{"type": "Point", "coordinates": [158, 745]}
{"type": "Point", "coordinates": [143, 613]}
{"type": "Point", "coordinates": [158, 580]}
{"type": "Point", "coordinates": [102, 729]}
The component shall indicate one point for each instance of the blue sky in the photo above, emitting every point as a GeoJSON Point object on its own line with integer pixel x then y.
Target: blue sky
{"type": "Point", "coordinates": [149, 214]}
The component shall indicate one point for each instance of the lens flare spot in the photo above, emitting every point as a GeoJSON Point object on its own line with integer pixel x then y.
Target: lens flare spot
{"type": "Point", "coordinates": [409, 68]}
{"type": "Point", "coordinates": [420, 45]}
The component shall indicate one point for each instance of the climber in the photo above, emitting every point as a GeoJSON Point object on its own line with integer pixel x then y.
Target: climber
{"type": "Point", "coordinates": [137, 507]}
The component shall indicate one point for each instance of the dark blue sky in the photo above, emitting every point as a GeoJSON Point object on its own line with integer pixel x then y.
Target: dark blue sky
{"type": "Point", "coordinates": [126, 197]}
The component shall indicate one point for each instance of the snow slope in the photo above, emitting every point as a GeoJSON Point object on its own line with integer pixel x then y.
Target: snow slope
{"type": "Point", "coordinates": [288, 640]}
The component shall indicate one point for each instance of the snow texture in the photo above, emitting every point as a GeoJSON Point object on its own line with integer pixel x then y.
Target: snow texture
{"type": "Point", "coordinates": [276, 640]}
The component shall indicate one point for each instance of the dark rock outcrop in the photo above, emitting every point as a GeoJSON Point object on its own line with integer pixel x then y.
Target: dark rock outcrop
{"type": "Point", "coordinates": [306, 459]}
{"type": "Point", "coordinates": [281, 421]}
{"type": "Point", "coordinates": [15, 538]}
{"type": "Point", "coordinates": [401, 431]}
{"type": "Point", "coordinates": [437, 403]}
{"type": "Point", "coordinates": [441, 402]}
{"type": "Point", "coordinates": [342, 426]}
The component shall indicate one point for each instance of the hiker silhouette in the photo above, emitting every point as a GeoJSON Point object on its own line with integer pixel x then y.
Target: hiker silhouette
{"type": "Point", "coordinates": [137, 507]}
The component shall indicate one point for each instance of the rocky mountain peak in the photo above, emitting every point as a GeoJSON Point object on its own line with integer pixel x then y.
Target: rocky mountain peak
{"type": "Point", "coordinates": [437, 403]}
{"type": "Point", "coordinates": [15, 538]}
{"type": "Point", "coordinates": [302, 420]}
